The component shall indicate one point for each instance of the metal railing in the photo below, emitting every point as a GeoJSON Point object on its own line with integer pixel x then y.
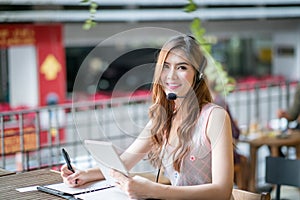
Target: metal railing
{"type": "Point", "coordinates": [32, 139]}
{"type": "Point", "coordinates": [259, 103]}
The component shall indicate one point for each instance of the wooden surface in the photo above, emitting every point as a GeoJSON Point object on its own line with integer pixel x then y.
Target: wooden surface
{"type": "Point", "coordinates": [9, 184]}
{"type": "Point", "coordinates": [292, 140]}
{"type": "Point", "coordinates": [4, 172]}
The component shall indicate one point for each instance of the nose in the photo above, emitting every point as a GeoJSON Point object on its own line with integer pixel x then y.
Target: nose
{"type": "Point", "coordinates": [172, 74]}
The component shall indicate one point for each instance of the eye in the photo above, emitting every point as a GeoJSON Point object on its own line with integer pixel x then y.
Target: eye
{"type": "Point", "coordinates": [182, 67]}
{"type": "Point", "coordinates": [166, 66]}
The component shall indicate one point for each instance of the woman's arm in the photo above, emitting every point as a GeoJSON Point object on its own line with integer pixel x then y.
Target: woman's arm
{"type": "Point", "coordinates": [219, 133]}
{"type": "Point", "coordinates": [130, 157]}
{"type": "Point", "coordinates": [138, 149]}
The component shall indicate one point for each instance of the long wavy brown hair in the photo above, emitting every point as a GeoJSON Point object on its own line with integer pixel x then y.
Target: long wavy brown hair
{"type": "Point", "coordinates": [162, 110]}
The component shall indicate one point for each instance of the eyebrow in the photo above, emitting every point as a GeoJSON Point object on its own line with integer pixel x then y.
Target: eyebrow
{"type": "Point", "coordinates": [181, 63]}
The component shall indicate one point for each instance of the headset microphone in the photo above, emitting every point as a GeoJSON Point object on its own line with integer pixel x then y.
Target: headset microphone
{"type": "Point", "coordinates": [173, 96]}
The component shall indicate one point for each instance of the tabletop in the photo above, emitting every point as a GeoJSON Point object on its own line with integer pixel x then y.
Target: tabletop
{"type": "Point", "coordinates": [292, 139]}
{"type": "Point", "coordinates": [9, 184]}
{"type": "Point", "coordinates": [4, 172]}
{"type": "Point", "coordinates": [12, 181]}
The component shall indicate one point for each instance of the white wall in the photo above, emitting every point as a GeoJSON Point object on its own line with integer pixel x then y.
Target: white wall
{"type": "Point", "coordinates": [22, 74]}
{"type": "Point", "coordinates": [287, 64]}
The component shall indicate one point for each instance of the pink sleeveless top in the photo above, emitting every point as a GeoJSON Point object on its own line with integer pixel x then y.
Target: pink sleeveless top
{"type": "Point", "coordinates": [196, 166]}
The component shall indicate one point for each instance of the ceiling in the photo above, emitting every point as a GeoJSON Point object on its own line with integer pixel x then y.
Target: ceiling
{"type": "Point", "coordinates": [145, 10]}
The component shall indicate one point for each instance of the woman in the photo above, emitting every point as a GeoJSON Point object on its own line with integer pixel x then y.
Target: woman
{"type": "Point", "coordinates": [189, 137]}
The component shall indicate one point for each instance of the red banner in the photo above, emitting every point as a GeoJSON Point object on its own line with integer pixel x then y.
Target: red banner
{"type": "Point", "coordinates": [48, 41]}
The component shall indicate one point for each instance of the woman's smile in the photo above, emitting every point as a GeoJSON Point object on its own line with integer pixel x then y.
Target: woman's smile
{"type": "Point", "coordinates": [173, 86]}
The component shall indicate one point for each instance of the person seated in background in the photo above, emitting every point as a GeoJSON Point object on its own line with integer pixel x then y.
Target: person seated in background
{"type": "Point", "coordinates": [293, 113]}
{"type": "Point", "coordinates": [240, 160]}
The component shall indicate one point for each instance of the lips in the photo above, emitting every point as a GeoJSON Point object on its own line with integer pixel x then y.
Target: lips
{"type": "Point", "coordinates": [173, 86]}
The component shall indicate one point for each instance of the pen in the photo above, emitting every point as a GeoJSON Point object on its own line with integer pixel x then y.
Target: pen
{"type": "Point", "coordinates": [68, 161]}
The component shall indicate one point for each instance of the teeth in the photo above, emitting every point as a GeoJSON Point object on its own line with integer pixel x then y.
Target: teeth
{"type": "Point", "coordinates": [173, 84]}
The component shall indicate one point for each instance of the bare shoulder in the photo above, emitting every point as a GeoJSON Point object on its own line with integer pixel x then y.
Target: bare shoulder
{"type": "Point", "coordinates": [219, 122]}
{"type": "Point", "coordinates": [218, 113]}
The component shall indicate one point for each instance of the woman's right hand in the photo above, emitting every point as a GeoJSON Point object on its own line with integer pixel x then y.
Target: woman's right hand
{"type": "Point", "coordinates": [73, 179]}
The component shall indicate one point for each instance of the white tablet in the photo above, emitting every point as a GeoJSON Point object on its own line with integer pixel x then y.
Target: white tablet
{"type": "Point", "coordinates": [106, 156]}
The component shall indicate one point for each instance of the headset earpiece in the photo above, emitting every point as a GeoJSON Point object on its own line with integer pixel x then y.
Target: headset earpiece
{"type": "Point", "coordinates": [201, 76]}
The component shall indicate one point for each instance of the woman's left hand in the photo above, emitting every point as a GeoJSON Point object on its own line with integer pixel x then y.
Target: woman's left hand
{"type": "Point", "coordinates": [135, 187]}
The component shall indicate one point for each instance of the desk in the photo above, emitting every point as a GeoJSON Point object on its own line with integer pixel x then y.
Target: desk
{"type": "Point", "coordinates": [4, 172]}
{"type": "Point", "coordinates": [9, 183]}
{"type": "Point", "coordinates": [293, 140]}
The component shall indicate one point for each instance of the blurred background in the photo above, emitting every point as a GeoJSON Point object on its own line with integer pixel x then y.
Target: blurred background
{"type": "Point", "coordinates": [48, 45]}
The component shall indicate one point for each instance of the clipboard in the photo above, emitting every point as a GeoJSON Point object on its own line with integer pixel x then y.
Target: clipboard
{"type": "Point", "coordinates": [56, 193]}
{"type": "Point", "coordinates": [66, 192]}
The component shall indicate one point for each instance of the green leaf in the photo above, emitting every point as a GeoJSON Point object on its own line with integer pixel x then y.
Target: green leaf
{"type": "Point", "coordinates": [197, 30]}
{"type": "Point", "coordinates": [89, 23]}
{"type": "Point", "coordinates": [93, 24]}
{"type": "Point", "coordinates": [190, 7]}
{"type": "Point", "coordinates": [94, 5]}
{"type": "Point", "coordinates": [86, 26]}
{"type": "Point", "coordinates": [93, 11]}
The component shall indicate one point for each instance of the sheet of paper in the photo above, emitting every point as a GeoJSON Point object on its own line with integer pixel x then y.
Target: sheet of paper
{"type": "Point", "coordinates": [110, 193]}
{"type": "Point", "coordinates": [82, 189]}
{"type": "Point", "coordinates": [27, 189]}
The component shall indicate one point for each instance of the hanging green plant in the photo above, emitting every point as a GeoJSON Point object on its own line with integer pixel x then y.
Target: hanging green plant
{"type": "Point", "coordinates": [90, 22]}
{"type": "Point", "coordinates": [215, 71]}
